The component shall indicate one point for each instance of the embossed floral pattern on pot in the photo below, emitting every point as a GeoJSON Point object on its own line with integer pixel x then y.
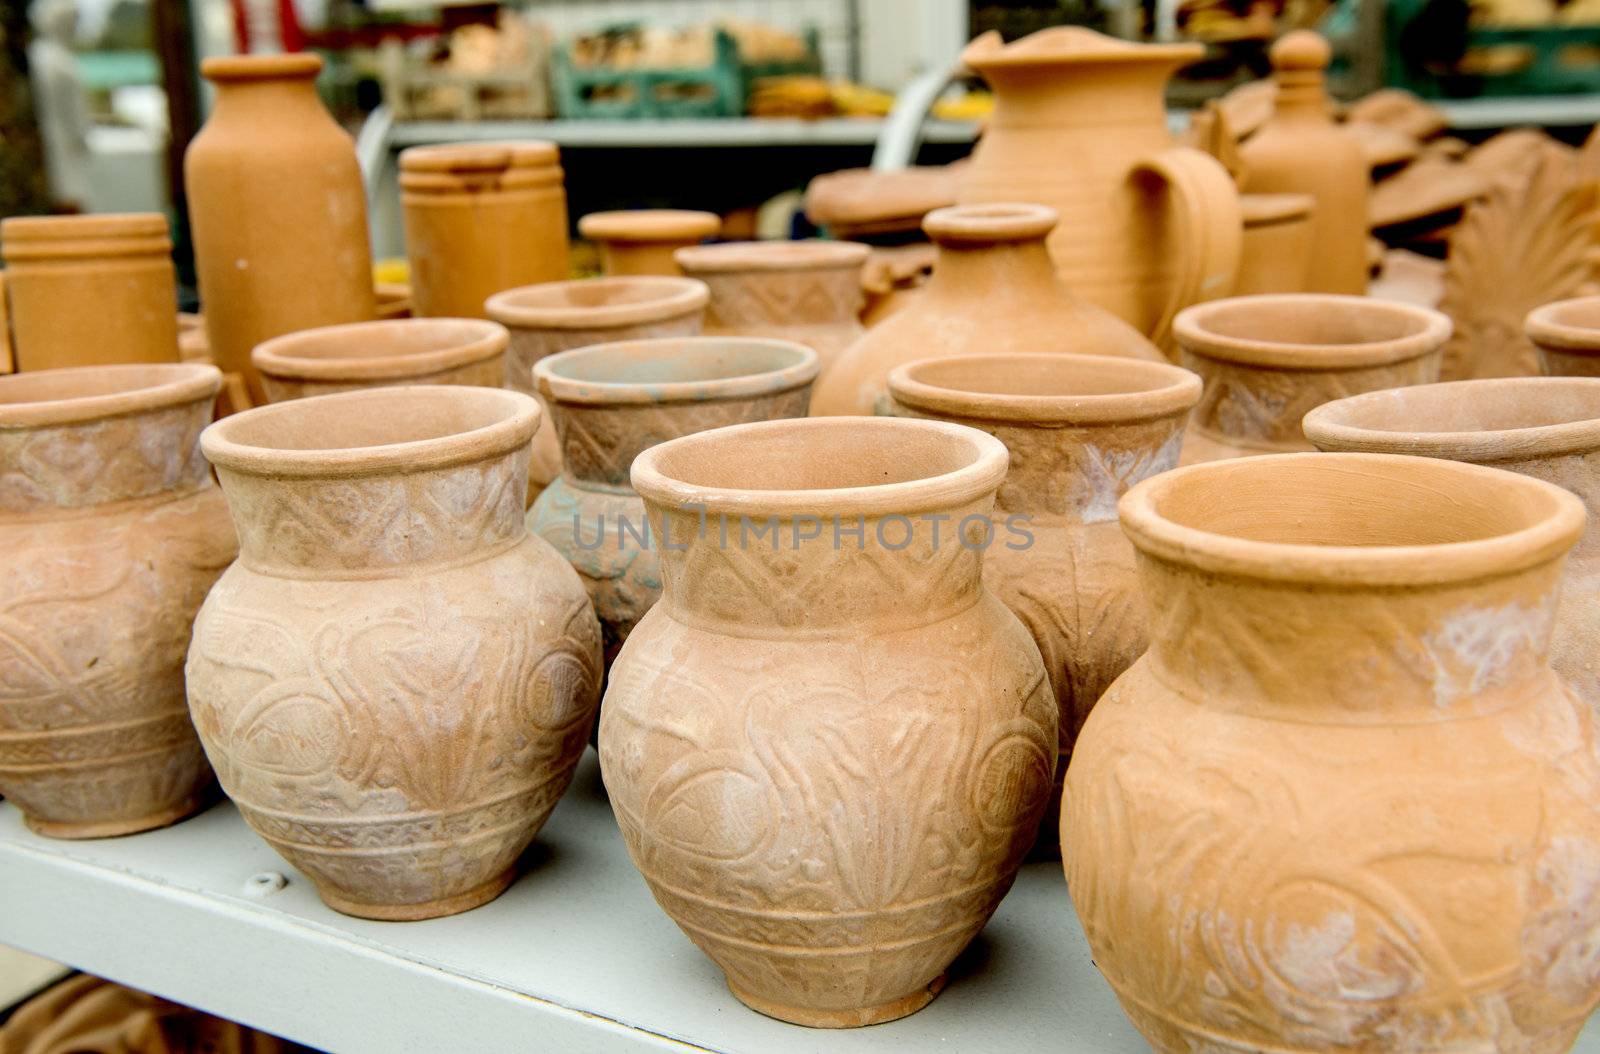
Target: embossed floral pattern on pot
{"type": "Point", "coordinates": [379, 354]}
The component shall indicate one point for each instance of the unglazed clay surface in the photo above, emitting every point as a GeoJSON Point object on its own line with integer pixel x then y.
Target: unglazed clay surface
{"type": "Point", "coordinates": [381, 354]}
{"type": "Point", "coordinates": [1566, 335]}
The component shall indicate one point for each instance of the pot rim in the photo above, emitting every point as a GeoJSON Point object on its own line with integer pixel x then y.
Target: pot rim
{"type": "Point", "coordinates": [673, 297]}
{"type": "Point", "coordinates": [1545, 325]}
{"type": "Point", "coordinates": [489, 156]}
{"type": "Point", "coordinates": [982, 474]}
{"type": "Point", "coordinates": [801, 369]}
{"type": "Point", "coordinates": [809, 254]}
{"type": "Point", "coordinates": [231, 68]}
{"type": "Point", "coordinates": [93, 226]}
{"type": "Point", "coordinates": [647, 226]}
{"type": "Point", "coordinates": [1193, 334]}
{"type": "Point", "coordinates": [1167, 390]}
{"type": "Point", "coordinates": [146, 387]}
{"type": "Point", "coordinates": [989, 223]}
{"type": "Point", "coordinates": [1329, 425]}
{"type": "Point", "coordinates": [513, 428]}
{"type": "Point", "coordinates": [288, 356]}
{"type": "Point", "coordinates": [1157, 535]}
{"type": "Point", "coordinates": [1083, 46]}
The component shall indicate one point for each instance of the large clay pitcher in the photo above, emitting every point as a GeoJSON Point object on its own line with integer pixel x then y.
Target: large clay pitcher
{"type": "Point", "coordinates": [1147, 227]}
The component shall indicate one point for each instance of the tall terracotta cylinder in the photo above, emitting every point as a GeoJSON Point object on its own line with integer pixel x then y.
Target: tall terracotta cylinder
{"type": "Point", "coordinates": [480, 219]}
{"type": "Point", "coordinates": [90, 290]}
{"type": "Point", "coordinates": [278, 210]}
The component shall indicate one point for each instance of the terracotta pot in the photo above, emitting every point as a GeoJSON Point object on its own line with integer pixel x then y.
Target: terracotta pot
{"type": "Point", "coordinates": [395, 679]}
{"type": "Point", "coordinates": [1266, 360]}
{"type": "Point", "coordinates": [277, 208]}
{"type": "Point", "coordinates": [559, 316]}
{"type": "Point", "coordinates": [808, 291]}
{"type": "Point", "coordinates": [1080, 125]}
{"type": "Point", "coordinates": [1300, 150]}
{"type": "Point", "coordinates": [642, 241]}
{"type": "Point", "coordinates": [1081, 430]}
{"type": "Point", "coordinates": [829, 755]}
{"type": "Point", "coordinates": [1545, 427]}
{"type": "Point", "coordinates": [479, 218]}
{"type": "Point", "coordinates": [393, 300]}
{"type": "Point", "coordinates": [381, 354]}
{"type": "Point", "coordinates": [90, 290]}
{"type": "Point", "coordinates": [612, 401]}
{"type": "Point", "coordinates": [993, 291]}
{"type": "Point", "coordinates": [110, 534]}
{"type": "Point", "coordinates": [1342, 803]}
{"type": "Point", "coordinates": [1276, 252]}
{"type": "Point", "coordinates": [1567, 336]}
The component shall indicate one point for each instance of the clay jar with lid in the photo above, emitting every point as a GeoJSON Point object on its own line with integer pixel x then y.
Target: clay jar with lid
{"type": "Point", "coordinates": [89, 290]}
{"type": "Point", "coordinates": [1081, 430]}
{"type": "Point", "coordinates": [643, 241]}
{"type": "Point", "coordinates": [278, 210]}
{"type": "Point", "coordinates": [828, 754]}
{"type": "Point", "coordinates": [479, 218]}
{"type": "Point", "coordinates": [559, 316]}
{"type": "Point", "coordinates": [1267, 360]}
{"type": "Point", "coordinates": [379, 354]}
{"type": "Point", "coordinates": [111, 532]}
{"type": "Point", "coordinates": [1343, 803]}
{"type": "Point", "coordinates": [612, 401]}
{"type": "Point", "coordinates": [1545, 427]}
{"type": "Point", "coordinates": [1567, 336]}
{"type": "Point", "coordinates": [993, 291]}
{"type": "Point", "coordinates": [395, 680]}
{"type": "Point", "coordinates": [805, 291]}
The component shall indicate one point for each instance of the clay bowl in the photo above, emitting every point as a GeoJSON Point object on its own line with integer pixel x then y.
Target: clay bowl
{"type": "Point", "coordinates": [380, 354]}
{"type": "Point", "coordinates": [1567, 336]}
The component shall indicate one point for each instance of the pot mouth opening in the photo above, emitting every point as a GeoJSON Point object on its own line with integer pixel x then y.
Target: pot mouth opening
{"type": "Point", "coordinates": [1310, 330]}
{"type": "Point", "coordinates": [985, 224]}
{"type": "Point", "coordinates": [79, 394]}
{"type": "Point", "coordinates": [1573, 324]}
{"type": "Point", "coordinates": [1046, 388]}
{"type": "Point", "coordinates": [1489, 420]}
{"type": "Point", "coordinates": [807, 255]}
{"type": "Point", "coordinates": [261, 67]}
{"type": "Point", "coordinates": [373, 431]}
{"type": "Point", "coordinates": [823, 466]}
{"type": "Point", "coordinates": [675, 369]}
{"type": "Point", "coordinates": [596, 303]}
{"type": "Point", "coordinates": [1351, 520]}
{"type": "Point", "coordinates": [389, 348]}
{"type": "Point", "coordinates": [649, 225]}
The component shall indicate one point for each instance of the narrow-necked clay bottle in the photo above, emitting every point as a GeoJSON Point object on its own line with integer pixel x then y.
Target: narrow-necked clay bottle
{"type": "Point", "coordinates": [1300, 150]}
{"type": "Point", "coordinates": [382, 354]}
{"type": "Point", "coordinates": [1081, 430]}
{"type": "Point", "coordinates": [993, 290]}
{"type": "Point", "coordinates": [1343, 804]}
{"type": "Point", "coordinates": [90, 290]}
{"type": "Point", "coordinates": [479, 218]}
{"type": "Point", "coordinates": [643, 241]}
{"type": "Point", "coordinates": [278, 210]}
{"type": "Point", "coordinates": [1566, 335]}
{"type": "Point", "coordinates": [1267, 360]}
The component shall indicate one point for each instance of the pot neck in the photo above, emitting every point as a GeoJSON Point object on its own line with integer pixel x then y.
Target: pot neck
{"type": "Point", "coordinates": [817, 296]}
{"type": "Point", "coordinates": [1018, 271]}
{"type": "Point", "coordinates": [1078, 472]}
{"type": "Point", "coordinates": [278, 100]}
{"type": "Point", "coordinates": [1074, 93]}
{"type": "Point", "coordinates": [599, 443]}
{"type": "Point", "coordinates": [1302, 97]}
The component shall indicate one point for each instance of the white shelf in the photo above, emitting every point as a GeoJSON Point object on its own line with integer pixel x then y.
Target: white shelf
{"type": "Point", "coordinates": [708, 132]}
{"type": "Point", "coordinates": [1512, 111]}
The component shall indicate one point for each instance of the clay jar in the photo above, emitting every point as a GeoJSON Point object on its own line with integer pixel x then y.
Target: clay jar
{"type": "Point", "coordinates": [1567, 336]}
{"type": "Point", "coordinates": [1267, 360]}
{"type": "Point", "coordinates": [807, 291]}
{"type": "Point", "coordinates": [993, 291]}
{"type": "Point", "coordinates": [479, 218]}
{"type": "Point", "coordinates": [89, 290]}
{"type": "Point", "coordinates": [1081, 430]}
{"type": "Point", "coordinates": [559, 316]}
{"type": "Point", "coordinates": [1343, 803]}
{"type": "Point", "coordinates": [828, 747]}
{"type": "Point", "coordinates": [642, 241]}
{"type": "Point", "coordinates": [395, 679]}
{"type": "Point", "coordinates": [110, 534]}
{"type": "Point", "coordinates": [380, 354]}
{"type": "Point", "coordinates": [1545, 427]}
{"type": "Point", "coordinates": [1275, 255]}
{"type": "Point", "coordinates": [611, 401]}
{"type": "Point", "coordinates": [278, 210]}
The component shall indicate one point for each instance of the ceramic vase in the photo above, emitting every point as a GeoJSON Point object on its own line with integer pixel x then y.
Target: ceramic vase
{"type": "Point", "coordinates": [111, 532]}
{"type": "Point", "coordinates": [807, 291]}
{"type": "Point", "coordinates": [380, 354]}
{"type": "Point", "coordinates": [1275, 255]}
{"type": "Point", "coordinates": [993, 291]}
{"type": "Point", "coordinates": [479, 218]}
{"type": "Point", "coordinates": [277, 210]}
{"type": "Point", "coordinates": [1267, 360]}
{"type": "Point", "coordinates": [643, 241]}
{"type": "Point", "coordinates": [1081, 430]}
{"type": "Point", "coordinates": [1343, 804]}
{"type": "Point", "coordinates": [395, 680]}
{"type": "Point", "coordinates": [1300, 150]}
{"type": "Point", "coordinates": [559, 316]}
{"type": "Point", "coordinates": [1147, 227]}
{"type": "Point", "coordinates": [1545, 427]}
{"type": "Point", "coordinates": [1566, 335]}
{"type": "Point", "coordinates": [828, 746]}
{"type": "Point", "coordinates": [89, 290]}
{"type": "Point", "coordinates": [612, 401]}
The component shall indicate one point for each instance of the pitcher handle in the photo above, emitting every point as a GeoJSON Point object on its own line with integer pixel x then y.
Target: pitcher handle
{"type": "Point", "coordinates": [1210, 229]}
{"type": "Point", "coordinates": [8, 358]}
